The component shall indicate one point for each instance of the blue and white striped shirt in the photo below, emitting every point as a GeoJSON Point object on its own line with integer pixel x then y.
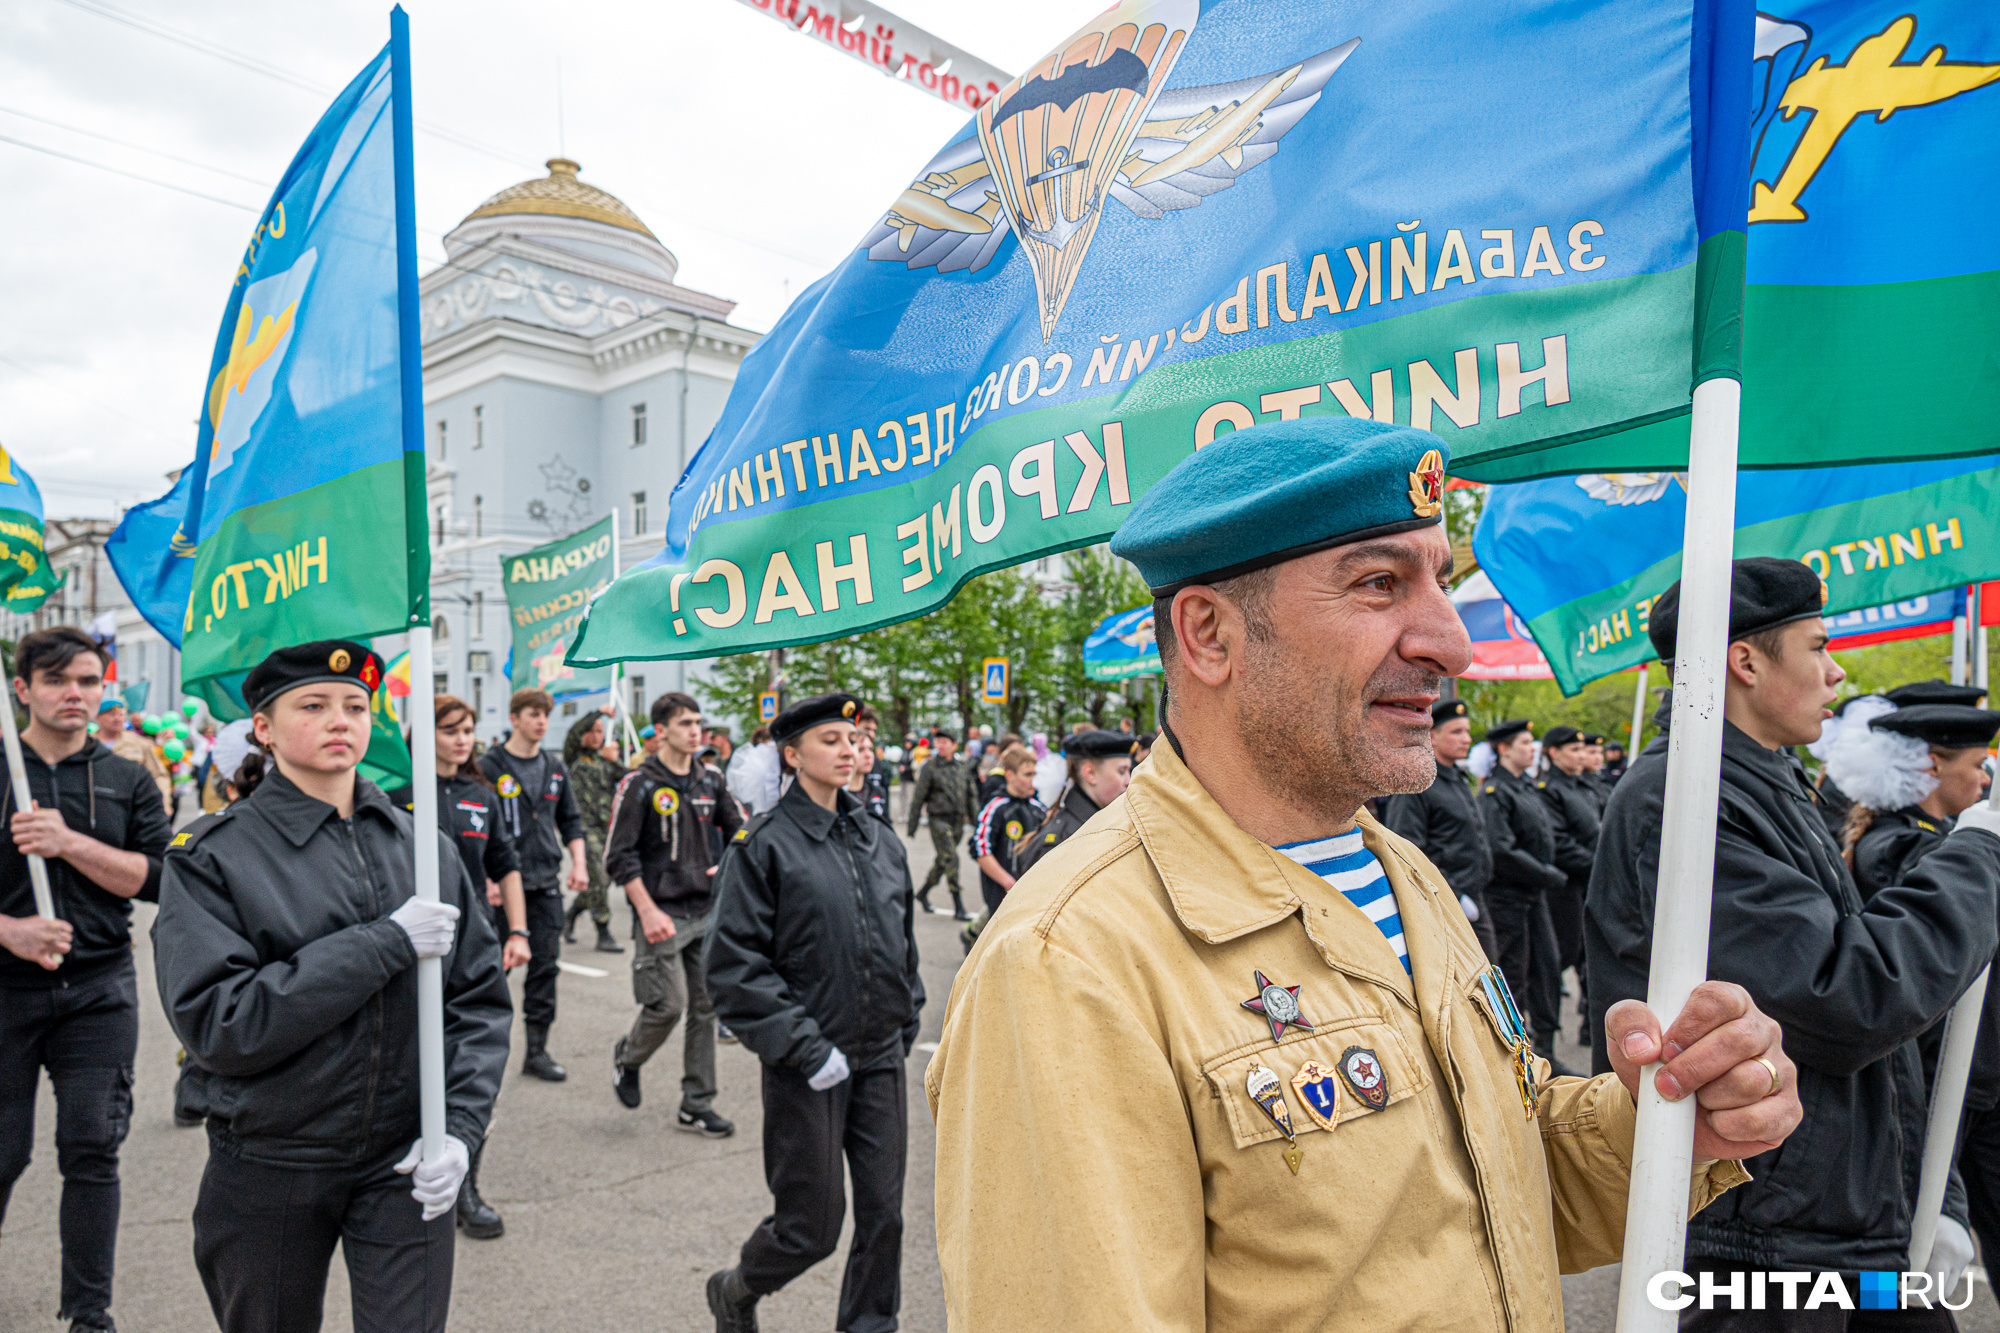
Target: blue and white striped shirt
{"type": "Point", "coordinates": [1350, 867]}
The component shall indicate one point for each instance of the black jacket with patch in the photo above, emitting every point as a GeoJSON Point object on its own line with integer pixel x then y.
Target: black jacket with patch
{"type": "Point", "coordinates": [661, 827]}
{"type": "Point", "coordinates": [1445, 823]}
{"type": "Point", "coordinates": [469, 813]}
{"type": "Point", "coordinates": [1521, 834]}
{"type": "Point", "coordinates": [1574, 815]}
{"type": "Point", "coordinates": [1073, 810]}
{"type": "Point", "coordinates": [539, 810]}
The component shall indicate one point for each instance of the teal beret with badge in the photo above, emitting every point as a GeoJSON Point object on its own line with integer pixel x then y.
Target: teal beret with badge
{"type": "Point", "coordinates": [1267, 494]}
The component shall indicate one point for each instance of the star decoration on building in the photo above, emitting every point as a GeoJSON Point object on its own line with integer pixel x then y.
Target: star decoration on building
{"type": "Point", "coordinates": [1279, 1005]}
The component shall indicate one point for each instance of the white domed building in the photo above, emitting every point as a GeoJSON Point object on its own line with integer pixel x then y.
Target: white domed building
{"type": "Point", "coordinates": [566, 375]}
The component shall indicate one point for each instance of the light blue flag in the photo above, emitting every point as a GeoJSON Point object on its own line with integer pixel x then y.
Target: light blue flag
{"type": "Point", "coordinates": [1122, 646]}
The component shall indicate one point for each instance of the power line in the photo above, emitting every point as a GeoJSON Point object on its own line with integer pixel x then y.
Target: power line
{"type": "Point", "coordinates": [120, 171]}
{"type": "Point", "coordinates": [138, 147]}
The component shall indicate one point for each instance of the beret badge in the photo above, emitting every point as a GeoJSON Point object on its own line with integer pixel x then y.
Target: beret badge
{"type": "Point", "coordinates": [1427, 485]}
{"type": "Point", "coordinates": [339, 660]}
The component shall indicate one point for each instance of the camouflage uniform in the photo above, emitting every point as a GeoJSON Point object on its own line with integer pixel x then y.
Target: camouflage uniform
{"type": "Point", "coordinates": [594, 780]}
{"type": "Point", "coordinates": [949, 793]}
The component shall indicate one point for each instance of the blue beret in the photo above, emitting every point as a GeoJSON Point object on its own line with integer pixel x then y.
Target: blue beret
{"type": "Point", "coordinates": [1267, 494]}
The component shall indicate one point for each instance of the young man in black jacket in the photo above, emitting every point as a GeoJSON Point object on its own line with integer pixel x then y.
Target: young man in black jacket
{"type": "Point", "coordinates": [661, 850]}
{"type": "Point", "coordinates": [287, 950]}
{"type": "Point", "coordinates": [69, 997]}
{"type": "Point", "coordinates": [1444, 820]}
{"type": "Point", "coordinates": [1853, 982]}
{"type": "Point", "coordinates": [542, 818]}
{"type": "Point", "coordinates": [813, 964]}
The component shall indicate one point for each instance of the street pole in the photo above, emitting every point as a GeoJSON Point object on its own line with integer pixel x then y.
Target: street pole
{"type": "Point", "coordinates": [1663, 1143]}
{"type": "Point", "coordinates": [1638, 711]}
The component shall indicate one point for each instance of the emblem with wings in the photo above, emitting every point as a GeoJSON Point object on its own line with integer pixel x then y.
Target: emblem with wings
{"type": "Point", "coordinates": [1093, 121]}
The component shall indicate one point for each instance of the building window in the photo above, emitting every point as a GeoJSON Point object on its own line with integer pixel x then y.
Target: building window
{"type": "Point", "coordinates": [440, 683]}
{"type": "Point", "coordinates": [441, 438]}
{"type": "Point", "coordinates": [479, 663]}
{"type": "Point", "coordinates": [569, 708]}
{"type": "Point", "coordinates": [440, 630]}
{"type": "Point", "coordinates": [478, 697]}
{"type": "Point", "coordinates": [478, 516]}
{"type": "Point", "coordinates": [638, 423]}
{"type": "Point", "coordinates": [638, 696]}
{"type": "Point", "coordinates": [479, 427]}
{"type": "Point", "coordinates": [440, 525]}
{"type": "Point", "coordinates": [479, 616]}
{"type": "Point", "coordinates": [638, 513]}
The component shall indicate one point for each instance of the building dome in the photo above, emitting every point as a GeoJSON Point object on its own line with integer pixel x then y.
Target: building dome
{"type": "Point", "coordinates": [561, 209]}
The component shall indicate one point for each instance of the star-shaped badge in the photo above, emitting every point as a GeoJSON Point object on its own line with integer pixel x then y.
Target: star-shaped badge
{"type": "Point", "coordinates": [1279, 1005]}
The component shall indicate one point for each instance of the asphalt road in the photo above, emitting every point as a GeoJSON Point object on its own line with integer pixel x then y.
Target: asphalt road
{"type": "Point", "coordinates": [614, 1219]}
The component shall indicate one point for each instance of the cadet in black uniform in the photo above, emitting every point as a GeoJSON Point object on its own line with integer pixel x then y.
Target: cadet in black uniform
{"type": "Point", "coordinates": [1854, 981]}
{"type": "Point", "coordinates": [813, 964]}
{"type": "Point", "coordinates": [1100, 768]}
{"type": "Point", "coordinates": [1004, 823]}
{"type": "Point", "coordinates": [873, 771]}
{"type": "Point", "coordinates": [69, 999]}
{"type": "Point", "coordinates": [469, 814]}
{"type": "Point", "coordinates": [1575, 812]}
{"type": "Point", "coordinates": [1593, 770]}
{"type": "Point", "coordinates": [286, 949]}
{"type": "Point", "coordinates": [1523, 839]}
{"type": "Point", "coordinates": [1946, 750]}
{"type": "Point", "coordinates": [542, 818]}
{"type": "Point", "coordinates": [1444, 820]}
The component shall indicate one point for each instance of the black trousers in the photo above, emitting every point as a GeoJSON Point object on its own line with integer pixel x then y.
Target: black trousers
{"type": "Point", "coordinates": [86, 1037]}
{"type": "Point", "coordinates": [1827, 1319]}
{"type": "Point", "coordinates": [1566, 916]}
{"type": "Point", "coordinates": [806, 1133]}
{"type": "Point", "coordinates": [264, 1237]}
{"type": "Point", "coordinates": [1979, 1164]}
{"type": "Point", "coordinates": [1528, 954]}
{"type": "Point", "coordinates": [545, 923]}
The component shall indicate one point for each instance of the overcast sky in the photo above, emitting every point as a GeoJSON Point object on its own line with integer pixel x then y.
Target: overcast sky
{"type": "Point", "coordinates": [757, 156]}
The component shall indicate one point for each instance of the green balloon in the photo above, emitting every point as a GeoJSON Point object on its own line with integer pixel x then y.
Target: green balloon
{"type": "Point", "coordinates": [173, 750]}
{"type": "Point", "coordinates": [190, 708]}
{"type": "Point", "coordinates": [180, 731]}
{"type": "Point", "coordinates": [149, 724]}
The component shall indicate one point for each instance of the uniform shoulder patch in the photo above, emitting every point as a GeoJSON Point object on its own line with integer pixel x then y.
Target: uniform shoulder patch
{"type": "Point", "coordinates": [1927, 826]}
{"type": "Point", "coordinates": [1487, 789]}
{"type": "Point", "coordinates": [1542, 785]}
{"type": "Point", "coordinates": [742, 835]}
{"type": "Point", "coordinates": [190, 837]}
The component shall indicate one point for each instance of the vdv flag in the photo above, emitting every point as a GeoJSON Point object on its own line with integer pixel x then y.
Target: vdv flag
{"type": "Point", "coordinates": [1122, 646]}
{"type": "Point", "coordinates": [1873, 299]}
{"type": "Point", "coordinates": [290, 524]}
{"type": "Point", "coordinates": [25, 574]}
{"type": "Point", "coordinates": [1581, 559]}
{"type": "Point", "coordinates": [1192, 217]}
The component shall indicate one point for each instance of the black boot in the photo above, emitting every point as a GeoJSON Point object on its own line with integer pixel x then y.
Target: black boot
{"type": "Point", "coordinates": [605, 944]}
{"type": "Point", "coordinates": [538, 1062]}
{"type": "Point", "coordinates": [924, 899]}
{"type": "Point", "coordinates": [732, 1302]}
{"type": "Point", "coordinates": [958, 912]}
{"type": "Point", "coordinates": [569, 920]}
{"type": "Point", "coordinates": [477, 1218]}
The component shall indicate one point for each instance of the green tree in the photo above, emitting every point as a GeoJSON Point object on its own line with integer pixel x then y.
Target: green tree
{"type": "Point", "coordinates": [1099, 584]}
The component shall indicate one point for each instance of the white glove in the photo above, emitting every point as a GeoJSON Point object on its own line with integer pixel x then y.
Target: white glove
{"type": "Point", "coordinates": [435, 1183]}
{"type": "Point", "coordinates": [429, 926]}
{"type": "Point", "coordinates": [1471, 907]}
{"type": "Point", "coordinates": [832, 1072]}
{"type": "Point", "coordinates": [1980, 815]}
{"type": "Point", "coordinates": [1951, 1254]}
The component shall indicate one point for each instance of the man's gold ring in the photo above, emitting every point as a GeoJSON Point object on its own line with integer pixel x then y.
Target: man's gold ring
{"type": "Point", "coordinates": [1774, 1074]}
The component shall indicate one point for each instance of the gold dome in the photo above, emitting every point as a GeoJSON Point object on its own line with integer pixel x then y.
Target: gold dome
{"type": "Point", "coordinates": [561, 194]}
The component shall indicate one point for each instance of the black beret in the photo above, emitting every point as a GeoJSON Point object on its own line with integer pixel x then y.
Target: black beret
{"type": "Point", "coordinates": [1445, 710]}
{"type": "Point", "coordinates": [1146, 739]}
{"type": "Point", "coordinates": [1592, 738]}
{"type": "Point", "coordinates": [811, 712]}
{"type": "Point", "coordinates": [1100, 744]}
{"type": "Point", "coordinates": [1947, 726]}
{"type": "Point", "coordinates": [1506, 731]}
{"type": "Point", "coordinates": [1557, 737]}
{"type": "Point", "coordinates": [1764, 593]}
{"type": "Point", "coordinates": [311, 664]}
{"type": "Point", "coordinates": [1934, 692]}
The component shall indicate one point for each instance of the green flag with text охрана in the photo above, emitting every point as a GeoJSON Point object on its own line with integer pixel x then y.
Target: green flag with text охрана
{"type": "Point", "coordinates": [547, 591]}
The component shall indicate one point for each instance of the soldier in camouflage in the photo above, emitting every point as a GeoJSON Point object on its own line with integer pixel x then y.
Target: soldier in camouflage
{"type": "Point", "coordinates": [594, 779]}
{"type": "Point", "coordinates": [948, 791]}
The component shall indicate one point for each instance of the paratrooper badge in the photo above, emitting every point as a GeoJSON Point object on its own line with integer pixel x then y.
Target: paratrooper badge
{"type": "Point", "coordinates": [1269, 1094]}
{"type": "Point", "coordinates": [666, 800]}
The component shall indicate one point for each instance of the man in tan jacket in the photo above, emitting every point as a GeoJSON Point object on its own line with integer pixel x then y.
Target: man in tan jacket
{"type": "Point", "coordinates": [1231, 1057]}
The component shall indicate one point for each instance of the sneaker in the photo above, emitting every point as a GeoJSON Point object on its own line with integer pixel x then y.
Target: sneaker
{"type": "Point", "coordinates": [724, 1035]}
{"type": "Point", "coordinates": [101, 1323]}
{"type": "Point", "coordinates": [624, 1077]}
{"type": "Point", "coordinates": [705, 1123]}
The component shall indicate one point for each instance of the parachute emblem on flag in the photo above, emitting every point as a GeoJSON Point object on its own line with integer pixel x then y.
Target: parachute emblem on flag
{"type": "Point", "coordinates": [1089, 122]}
{"type": "Point", "coordinates": [1629, 488]}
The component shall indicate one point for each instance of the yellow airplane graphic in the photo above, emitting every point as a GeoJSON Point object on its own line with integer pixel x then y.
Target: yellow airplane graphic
{"type": "Point", "coordinates": [7, 468]}
{"type": "Point", "coordinates": [1215, 132]}
{"type": "Point", "coordinates": [1872, 81]}
{"type": "Point", "coordinates": [246, 354]}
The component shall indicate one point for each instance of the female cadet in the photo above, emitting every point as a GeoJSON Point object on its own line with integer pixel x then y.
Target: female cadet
{"type": "Point", "coordinates": [469, 814]}
{"type": "Point", "coordinates": [286, 949]}
{"type": "Point", "coordinates": [1910, 772]}
{"type": "Point", "coordinates": [812, 962]}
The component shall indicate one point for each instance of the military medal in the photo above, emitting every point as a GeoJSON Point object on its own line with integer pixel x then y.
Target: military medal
{"type": "Point", "coordinates": [1364, 1075]}
{"type": "Point", "coordinates": [1514, 1032]}
{"type": "Point", "coordinates": [1278, 1004]}
{"type": "Point", "coordinates": [1268, 1093]}
{"type": "Point", "coordinates": [1319, 1093]}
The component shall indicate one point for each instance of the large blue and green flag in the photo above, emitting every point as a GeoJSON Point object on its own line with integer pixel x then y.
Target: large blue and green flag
{"type": "Point", "coordinates": [1519, 225]}
{"type": "Point", "coordinates": [26, 578]}
{"type": "Point", "coordinates": [1872, 304]}
{"type": "Point", "coordinates": [302, 514]}
{"type": "Point", "coordinates": [1582, 559]}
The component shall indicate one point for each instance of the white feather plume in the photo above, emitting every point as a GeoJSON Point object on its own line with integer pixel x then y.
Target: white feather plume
{"type": "Point", "coordinates": [1883, 770]}
{"type": "Point", "coordinates": [1480, 762]}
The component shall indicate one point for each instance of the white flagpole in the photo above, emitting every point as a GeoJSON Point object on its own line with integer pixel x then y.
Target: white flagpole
{"type": "Point", "coordinates": [17, 772]}
{"type": "Point", "coordinates": [619, 708]}
{"type": "Point", "coordinates": [1663, 1144]}
{"type": "Point", "coordinates": [1958, 639]}
{"type": "Point", "coordinates": [1961, 1028]}
{"type": "Point", "coordinates": [430, 971]}
{"type": "Point", "coordinates": [1638, 711]}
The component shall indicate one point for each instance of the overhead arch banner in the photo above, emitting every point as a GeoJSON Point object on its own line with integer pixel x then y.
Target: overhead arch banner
{"type": "Point", "coordinates": [1191, 217]}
